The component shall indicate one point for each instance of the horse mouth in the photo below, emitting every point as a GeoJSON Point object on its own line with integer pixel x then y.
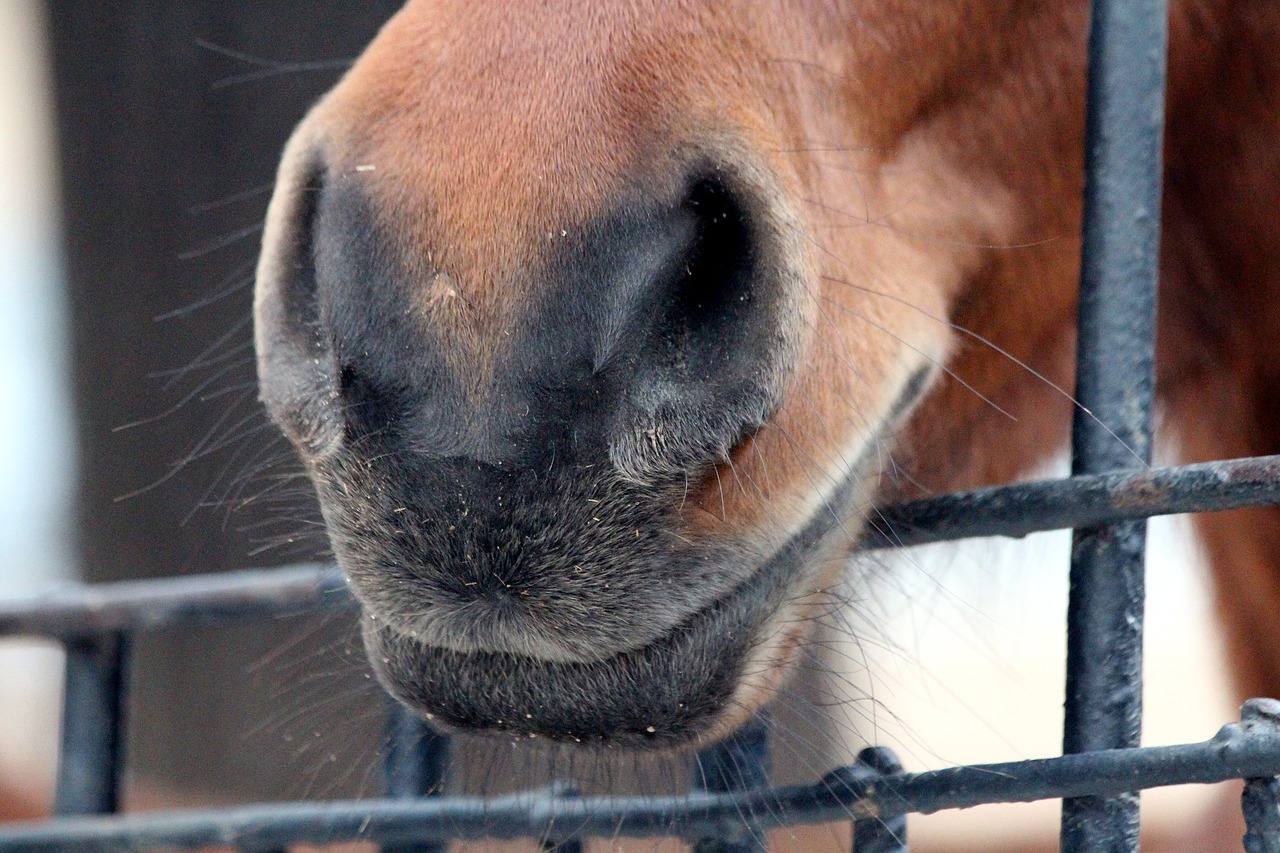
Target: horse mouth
{"type": "Point", "coordinates": [692, 683]}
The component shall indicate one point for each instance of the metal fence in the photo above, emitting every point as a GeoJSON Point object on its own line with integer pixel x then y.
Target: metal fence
{"type": "Point", "coordinates": [1111, 492]}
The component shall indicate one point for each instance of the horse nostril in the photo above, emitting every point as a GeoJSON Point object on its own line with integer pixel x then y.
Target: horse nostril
{"type": "Point", "coordinates": [709, 370]}
{"type": "Point", "coordinates": [712, 296]}
{"type": "Point", "coordinates": [296, 369]}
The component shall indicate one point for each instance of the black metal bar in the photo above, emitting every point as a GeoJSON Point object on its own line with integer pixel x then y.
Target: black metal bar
{"type": "Point", "coordinates": [555, 842]}
{"type": "Point", "coordinates": [1261, 798]}
{"type": "Point", "coordinates": [1083, 501]}
{"type": "Point", "coordinates": [1261, 804]}
{"type": "Point", "coordinates": [740, 762]}
{"type": "Point", "coordinates": [197, 600]}
{"type": "Point", "coordinates": [880, 834]}
{"type": "Point", "coordinates": [573, 845]}
{"type": "Point", "coordinates": [1115, 378]}
{"type": "Point", "coordinates": [417, 759]}
{"type": "Point", "coordinates": [1237, 752]}
{"type": "Point", "coordinates": [1003, 511]}
{"type": "Point", "coordinates": [92, 746]}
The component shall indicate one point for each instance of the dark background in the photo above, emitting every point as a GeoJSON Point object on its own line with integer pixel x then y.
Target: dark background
{"type": "Point", "coordinates": [166, 164]}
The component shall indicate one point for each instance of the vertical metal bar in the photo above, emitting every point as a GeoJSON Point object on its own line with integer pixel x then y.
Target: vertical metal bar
{"type": "Point", "coordinates": [1261, 798]}
{"type": "Point", "coordinates": [1261, 803]}
{"type": "Point", "coordinates": [417, 759]}
{"type": "Point", "coordinates": [571, 844]}
{"type": "Point", "coordinates": [90, 762]}
{"type": "Point", "coordinates": [1115, 379]}
{"type": "Point", "coordinates": [876, 835]}
{"type": "Point", "coordinates": [740, 762]}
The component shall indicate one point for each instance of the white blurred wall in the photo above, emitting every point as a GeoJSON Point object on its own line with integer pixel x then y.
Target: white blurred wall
{"type": "Point", "coordinates": [36, 445]}
{"type": "Point", "coordinates": [966, 661]}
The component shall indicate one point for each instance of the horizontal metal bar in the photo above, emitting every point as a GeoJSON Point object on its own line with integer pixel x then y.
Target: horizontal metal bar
{"type": "Point", "coordinates": [193, 600]}
{"type": "Point", "coordinates": [1083, 501]}
{"type": "Point", "coordinates": [1000, 511]}
{"type": "Point", "coordinates": [1239, 751]}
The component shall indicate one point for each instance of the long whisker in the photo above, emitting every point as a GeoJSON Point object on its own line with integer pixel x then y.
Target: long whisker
{"type": "Point", "coordinates": [268, 68]}
{"type": "Point", "coordinates": [999, 351]}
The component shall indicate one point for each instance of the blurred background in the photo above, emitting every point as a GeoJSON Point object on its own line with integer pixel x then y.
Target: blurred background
{"type": "Point", "coordinates": [140, 142]}
{"type": "Point", "coordinates": [137, 148]}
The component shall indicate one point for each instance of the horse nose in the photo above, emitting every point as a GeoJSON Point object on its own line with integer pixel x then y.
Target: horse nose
{"type": "Point", "coordinates": [670, 318]}
{"type": "Point", "coordinates": [652, 335]}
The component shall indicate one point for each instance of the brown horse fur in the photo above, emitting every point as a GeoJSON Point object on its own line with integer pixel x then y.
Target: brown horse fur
{"type": "Point", "coordinates": [475, 249]}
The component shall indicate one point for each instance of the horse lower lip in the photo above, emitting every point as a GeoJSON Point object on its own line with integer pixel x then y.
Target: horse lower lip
{"type": "Point", "coordinates": [668, 691]}
{"type": "Point", "coordinates": [663, 692]}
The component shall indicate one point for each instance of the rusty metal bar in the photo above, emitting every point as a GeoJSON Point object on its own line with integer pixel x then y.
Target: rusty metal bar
{"type": "Point", "coordinates": [1115, 379]}
{"type": "Point", "coordinates": [1083, 501]}
{"type": "Point", "coordinates": [1238, 751]}
{"type": "Point", "coordinates": [1261, 798]}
